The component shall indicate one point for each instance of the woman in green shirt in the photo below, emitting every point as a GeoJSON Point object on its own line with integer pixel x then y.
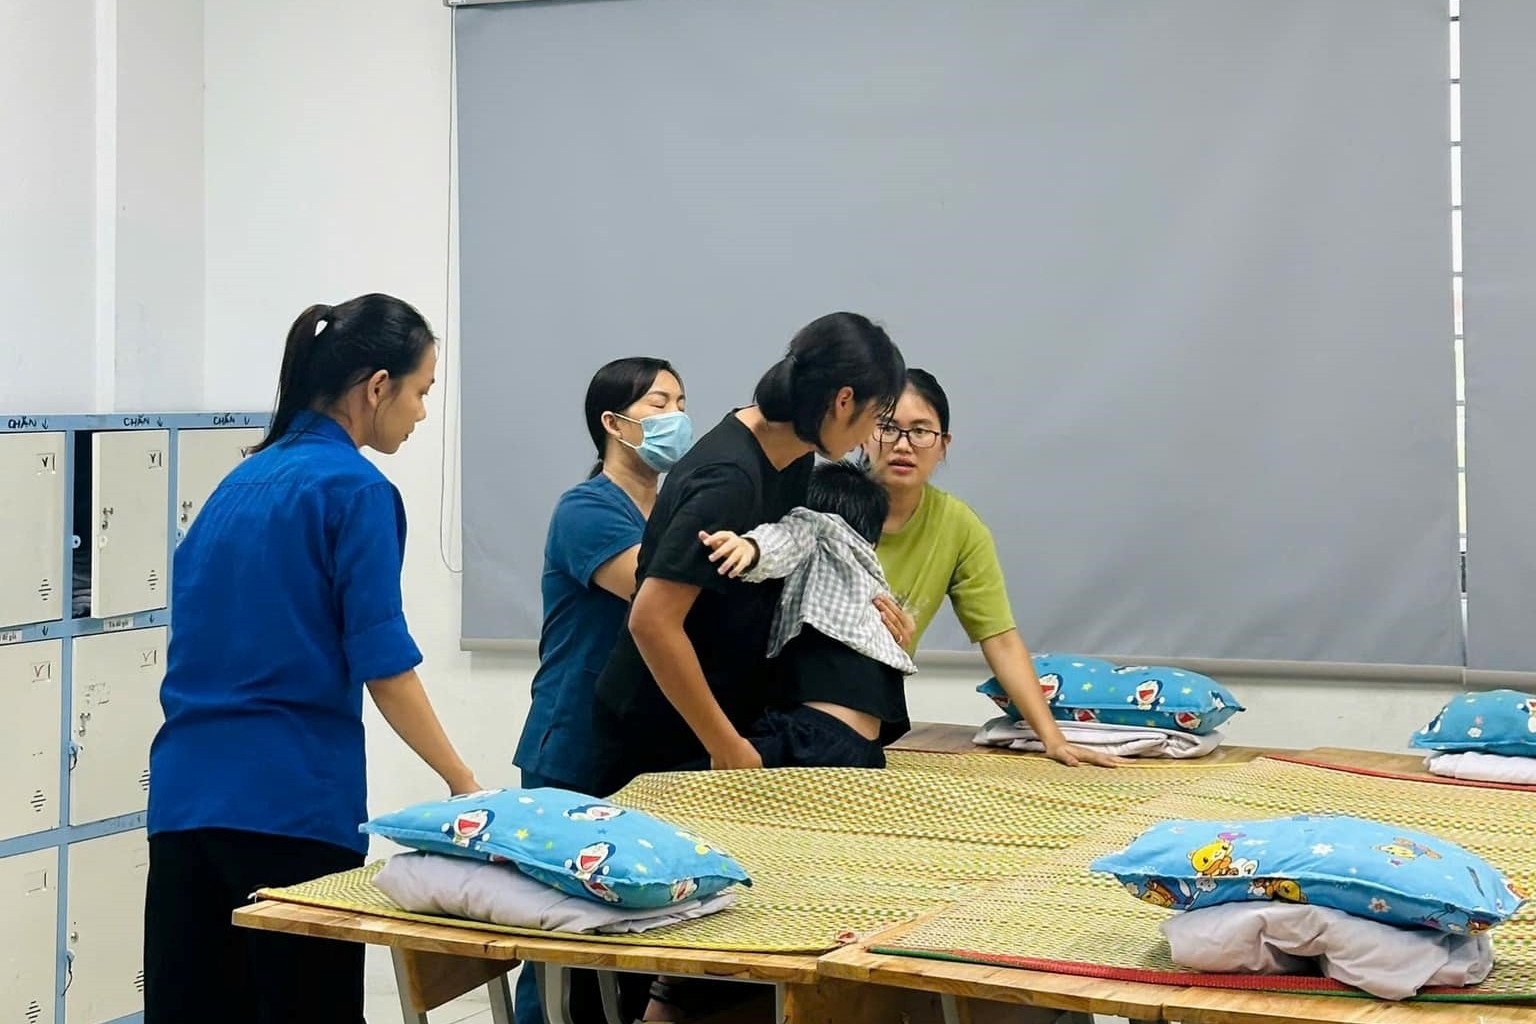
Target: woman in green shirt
{"type": "Point", "coordinates": [935, 546]}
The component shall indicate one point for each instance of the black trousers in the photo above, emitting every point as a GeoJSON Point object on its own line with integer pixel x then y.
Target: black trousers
{"type": "Point", "coordinates": [199, 967]}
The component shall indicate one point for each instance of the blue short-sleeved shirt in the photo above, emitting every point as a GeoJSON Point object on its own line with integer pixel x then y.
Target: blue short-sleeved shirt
{"type": "Point", "coordinates": [286, 598]}
{"type": "Point", "coordinates": [593, 522]}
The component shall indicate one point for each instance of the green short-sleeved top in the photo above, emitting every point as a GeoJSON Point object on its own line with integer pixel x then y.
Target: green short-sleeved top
{"type": "Point", "coordinates": [945, 549]}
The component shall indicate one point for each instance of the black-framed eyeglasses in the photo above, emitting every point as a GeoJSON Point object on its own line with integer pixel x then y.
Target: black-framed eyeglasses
{"type": "Point", "coordinates": [889, 434]}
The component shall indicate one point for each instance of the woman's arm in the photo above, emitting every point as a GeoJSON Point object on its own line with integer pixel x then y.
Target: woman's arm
{"type": "Point", "coordinates": [402, 700]}
{"type": "Point", "coordinates": [617, 575]}
{"type": "Point", "coordinates": [656, 623]}
{"type": "Point", "coordinates": [1010, 662]}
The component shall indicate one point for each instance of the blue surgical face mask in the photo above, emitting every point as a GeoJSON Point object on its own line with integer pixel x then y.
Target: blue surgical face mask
{"type": "Point", "coordinates": [667, 438]}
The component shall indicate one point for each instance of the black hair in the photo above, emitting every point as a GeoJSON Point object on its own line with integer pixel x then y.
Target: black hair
{"type": "Point", "coordinates": [830, 353]}
{"type": "Point", "coordinates": [851, 493]}
{"type": "Point", "coordinates": [332, 348]}
{"type": "Point", "coordinates": [929, 390]}
{"type": "Point", "coordinates": [616, 387]}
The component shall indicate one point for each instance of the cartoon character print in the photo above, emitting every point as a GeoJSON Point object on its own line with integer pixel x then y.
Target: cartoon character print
{"type": "Point", "coordinates": [1000, 699]}
{"type": "Point", "coordinates": [1186, 720]}
{"type": "Point", "coordinates": [1402, 851]}
{"type": "Point", "coordinates": [1148, 695]}
{"type": "Point", "coordinates": [1457, 922]}
{"type": "Point", "coordinates": [469, 826]}
{"type": "Point", "coordinates": [1215, 860]}
{"type": "Point", "coordinates": [1475, 731]}
{"type": "Point", "coordinates": [1217, 704]}
{"type": "Point", "coordinates": [1085, 715]}
{"type": "Point", "coordinates": [700, 846]}
{"type": "Point", "coordinates": [1529, 707]}
{"type": "Point", "coordinates": [589, 867]}
{"type": "Point", "coordinates": [1434, 723]}
{"type": "Point", "coordinates": [1125, 670]}
{"type": "Point", "coordinates": [591, 860]}
{"type": "Point", "coordinates": [684, 888]}
{"type": "Point", "coordinates": [599, 888]}
{"type": "Point", "coordinates": [594, 812]}
{"type": "Point", "coordinates": [1281, 890]}
{"type": "Point", "coordinates": [1050, 687]}
{"type": "Point", "coordinates": [1161, 894]}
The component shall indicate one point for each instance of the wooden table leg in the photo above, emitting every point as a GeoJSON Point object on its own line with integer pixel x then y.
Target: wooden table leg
{"type": "Point", "coordinates": [428, 980]}
{"type": "Point", "coordinates": [835, 1001]}
{"type": "Point", "coordinates": [959, 1010]}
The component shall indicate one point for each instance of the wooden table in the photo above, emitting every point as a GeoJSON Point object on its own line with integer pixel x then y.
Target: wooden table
{"type": "Point", "coordinates": [437, 963]}
{"type": "Point", "coordinates": [965, 988]}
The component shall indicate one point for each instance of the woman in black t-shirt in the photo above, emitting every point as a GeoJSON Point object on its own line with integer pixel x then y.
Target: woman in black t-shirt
{"type": "Point", "coordinates": [690, 671]}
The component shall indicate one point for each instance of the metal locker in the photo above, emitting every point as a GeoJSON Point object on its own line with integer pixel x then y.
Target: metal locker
{"type": "Point", "coordinates": [106, 928]}
{"type": "Point", "coordinates": [130, 513]}
{"type": "Point", "coordinates": [29, 906]}
{"type": "Point", "coordinates": [203, 459]}
{"type": "Point", "coordinates": [31, 677]}
{"type": "Point", "coordinates": [32, 528]}
{"type": "Point", "coordinates": [115, 685]}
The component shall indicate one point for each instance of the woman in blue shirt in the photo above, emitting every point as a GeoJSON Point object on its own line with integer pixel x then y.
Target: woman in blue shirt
{"type": "Point", "coordinates": [635, 416]}
{"type": "Point", "coordinates": [287, 606]}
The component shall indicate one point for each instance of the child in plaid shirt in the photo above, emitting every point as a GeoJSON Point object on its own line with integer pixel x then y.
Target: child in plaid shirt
{"type": "Point", "coordinates": [843, 675]}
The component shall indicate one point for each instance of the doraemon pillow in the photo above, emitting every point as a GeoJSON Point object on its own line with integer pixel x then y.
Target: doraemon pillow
{"type": "Point", "coordinates": [1366, 868]}
{"type": "Point", "coordinates": [569, 841]}
{"type": "Point", "coordinates": [1080, 689]}
{"type": "Point", "coordinates": [1494, 722]}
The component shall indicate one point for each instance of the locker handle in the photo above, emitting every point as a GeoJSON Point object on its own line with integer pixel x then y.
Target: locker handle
{"type": "Point", "coordinates": [74, 755]}
{"type": "Point", "coordinates": [69, 964]}
{"type": "Point", "coordinates": [85, 716]}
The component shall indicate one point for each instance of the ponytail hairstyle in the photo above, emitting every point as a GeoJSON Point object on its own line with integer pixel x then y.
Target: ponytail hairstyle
{"type": "Point", "coordinates": [839, 350]}
{"type": "Point", "coordinates": [331, 349]}
{"type": "Point", "coordinates": [616, 387]}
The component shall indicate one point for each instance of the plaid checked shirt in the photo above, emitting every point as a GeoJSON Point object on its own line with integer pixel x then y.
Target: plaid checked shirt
{"type": "Point", "coordinates": [831, 578]}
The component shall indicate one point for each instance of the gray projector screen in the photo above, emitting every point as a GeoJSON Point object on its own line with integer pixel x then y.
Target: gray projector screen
{"type": "Point", "coordinates": [1183, 267]}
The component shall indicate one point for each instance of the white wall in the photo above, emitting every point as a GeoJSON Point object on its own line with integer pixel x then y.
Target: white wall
{"type": "Point", "coordinates": [157, 295]}
{"type": "Point", "coordinates": [47, 207]}
{"type": "Point", "coordinates": [101, 206]}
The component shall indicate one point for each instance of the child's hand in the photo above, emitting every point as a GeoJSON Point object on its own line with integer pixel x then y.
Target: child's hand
{"type": "Point", "coordinates": [734, 553]}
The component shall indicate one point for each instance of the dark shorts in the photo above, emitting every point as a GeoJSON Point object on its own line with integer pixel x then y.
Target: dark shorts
{"type": "Point", "coordinates": [802, 737]}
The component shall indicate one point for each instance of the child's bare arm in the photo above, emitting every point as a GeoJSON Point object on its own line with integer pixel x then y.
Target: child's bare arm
{"type": "Point", "coordinates": [768, 552]}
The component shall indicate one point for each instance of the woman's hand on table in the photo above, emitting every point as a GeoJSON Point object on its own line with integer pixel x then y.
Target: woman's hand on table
{"type": "Point", "coordinates": [900, 624]}
{"type": "Point", "coordinates": [1074, 757]}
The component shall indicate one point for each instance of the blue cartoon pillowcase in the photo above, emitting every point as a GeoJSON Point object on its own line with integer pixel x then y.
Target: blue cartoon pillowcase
{"type": "Point", "coordinates": [571, 842]}
{"type": "Point", "coordinates": [1365, 868]}
{"type": "Point", "coordinates": [1080, 689]}
{"type": "Point", "coordinates": [1493, 722]}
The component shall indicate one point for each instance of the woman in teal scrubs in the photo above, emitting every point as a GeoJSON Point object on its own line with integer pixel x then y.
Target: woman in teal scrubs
{"type": "Point", "coordinates": [635, 416]}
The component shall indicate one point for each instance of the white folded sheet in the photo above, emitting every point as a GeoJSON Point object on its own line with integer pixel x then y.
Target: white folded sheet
{"type": "Point", "coordinates": [1120, 740]}
{"type": "Point", "coordinates": [1289, 938]}
{"type": "Point", "coordinates": [432, 883]}
{"type": "Point", "coordinates": [1473, 766]}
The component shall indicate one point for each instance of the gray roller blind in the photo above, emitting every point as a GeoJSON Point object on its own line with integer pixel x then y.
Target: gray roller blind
{"type": "Point", "coordinates": [1499, 241]}
{"type": "Point", "coordinates": [1183, 267]}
